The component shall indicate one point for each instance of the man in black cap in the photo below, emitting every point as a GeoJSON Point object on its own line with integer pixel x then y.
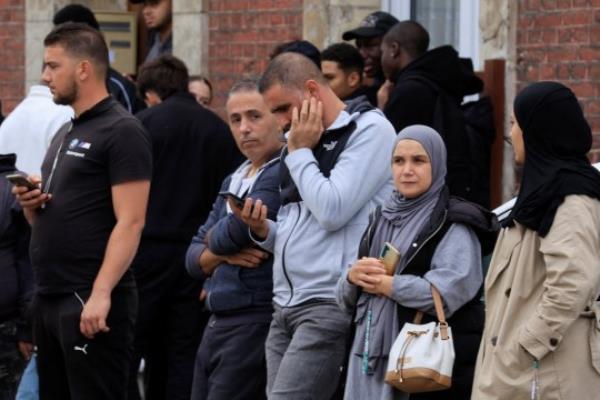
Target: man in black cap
{"type": "Point", "coordinates": [369, 36]}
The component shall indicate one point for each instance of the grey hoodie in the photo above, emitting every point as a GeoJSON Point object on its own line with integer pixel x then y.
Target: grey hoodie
{"type": "Point", "coordinates": [315, 239]}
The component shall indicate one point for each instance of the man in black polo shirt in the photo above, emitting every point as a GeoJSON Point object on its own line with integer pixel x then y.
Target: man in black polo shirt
{"type": "Point", "coordinates": [86, 219]}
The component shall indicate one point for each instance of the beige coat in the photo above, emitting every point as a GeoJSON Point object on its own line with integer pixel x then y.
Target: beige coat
{"type": "Point", "coordinates": [540, 302]}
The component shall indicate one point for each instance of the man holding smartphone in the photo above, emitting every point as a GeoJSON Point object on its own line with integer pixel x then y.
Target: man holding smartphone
{"type": "Point", "coordinates": [86, 224]}
{"type": "Point", "coordinates": [237, 276]}
{"type": "Point", "coordinates": [335, 170]}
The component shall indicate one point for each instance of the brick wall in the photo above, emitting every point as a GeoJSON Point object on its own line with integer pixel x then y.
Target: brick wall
{"type": "Point", "coordinates": [560, 40]}
{"type": "Point", "coordinates": [242, 34]}
{"type": "Point", "coordinates": [12, 43]}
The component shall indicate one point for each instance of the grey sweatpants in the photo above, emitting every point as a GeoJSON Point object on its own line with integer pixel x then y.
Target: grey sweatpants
{"type": "Point", "coordinates": [305, 350]}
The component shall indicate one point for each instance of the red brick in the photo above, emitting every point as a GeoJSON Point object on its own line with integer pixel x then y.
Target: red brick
{"type": "Point", "coordinates": [595, 138]}
{"type": "Point", "coordinates": [236, 21]}
{"type": "Point", "coordinates": [532, 73]}
{"type": "Point", "coordinates": [595, 125]}
{"type": "Point", "coordinates": [534, 36]}
{"type": "Point", "coordinates": [548, 4]}
{"type": "Point", "coordinates": [524, 23]}
{"type": "Point", "coordinates": [528, 73]}
{"type": "Point", "coordinates": [579, 17]}
{"type": "Point", "coordinates": [595, 34]}
{"type": "Point", "coordinates": [593, 107]}
{"type": "Point", "coordinates": [548, 72]}
{"type": "Point", "coordinates": [564, 4]}
{"type": "Point", "coordinates": [529, 4]}
{"type": "Point", "coordinates": [578, 71]}
{"type": "Point", "coordinates": [222, 51]}
{"type": "Point", "coordinates": [594, 73]}
{"type": "Point", "coordinates": [550, 36]}
{"type": "Point", "coordinates": [235, 5]}
{"type": "Point", "coordinates": [581, 3]}
{"type": "Point", "coordinates": [532, 55]}
{"type": "Point", "coordinates": [236, 50]}
{"type": "Point", "coordinates": [563, 72]}
{"type": "Point", "coordinates": [262, 4]}
{"type": "Point", "coordinates": [597, 86]}
{"type": "Point", "coordinates": [562, 53]}
{"type": "Point", "coordinates": [580, 35]}
{"type": "Point", "coordinates": [583, 89]}
{"type": "Point", "coordinates": [548, 20]}
{"type": "Point", "coordinates": [589, 53]}
{"type": "Point", "coordinates": [277, 19]}
{"type": "Point", "coordinates": [250, 50]}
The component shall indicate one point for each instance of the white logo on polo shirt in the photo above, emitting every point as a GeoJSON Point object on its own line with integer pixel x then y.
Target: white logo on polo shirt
{"type": "Point", "coordinates": [79, 145]}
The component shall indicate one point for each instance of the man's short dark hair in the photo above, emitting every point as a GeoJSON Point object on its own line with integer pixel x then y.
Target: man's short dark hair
{"type": "Point", "coordinates": [164, 75]}
{"type": "Point", "coordinates": [245, 85]}
{"type": "Point", "coordinates": [410, 36]}
{"type": "Point", "coordinates": [291, 70]}
{"type": "Point", "coordinates": [76, 13]}
{"type": "Point", "coordinates": [81, 40]}
{"type": "Point", "coordinates": [347, 56]}
{"type": "Point", "coordinates": [303, 47]}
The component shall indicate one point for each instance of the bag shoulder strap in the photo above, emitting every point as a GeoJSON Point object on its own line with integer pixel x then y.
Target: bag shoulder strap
{"type": "Point", "coordinates": [439, 311]}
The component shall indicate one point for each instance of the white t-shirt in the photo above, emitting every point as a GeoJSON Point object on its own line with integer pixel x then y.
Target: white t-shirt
{"type": "Point", "coordinates": [30, 127]}
{"type": "Point", "coordinates": [242, 186]}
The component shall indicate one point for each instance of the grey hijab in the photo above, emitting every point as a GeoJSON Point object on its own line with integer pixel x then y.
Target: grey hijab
{"type": "Point", "coordinates": [402, 221]}
{"type": "Point", "coordinates": [407, 216]}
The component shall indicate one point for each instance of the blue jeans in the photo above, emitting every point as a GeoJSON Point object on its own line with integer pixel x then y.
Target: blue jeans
{"type": "Point", "coordinates": [306, 350]}
{"type": "Point", "coordinates": [29, 385]}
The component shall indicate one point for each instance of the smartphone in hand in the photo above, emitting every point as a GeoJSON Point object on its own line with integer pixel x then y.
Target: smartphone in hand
{"type": "Point", "coordinates": [21, 180]}
{"type": "Point", "coordinates": [237, 201]}
{"type": "Point", "coordinates": [389, 256]}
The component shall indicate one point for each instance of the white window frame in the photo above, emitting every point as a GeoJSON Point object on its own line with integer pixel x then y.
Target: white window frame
{"type": "Point", "coordinates": [469, 33]}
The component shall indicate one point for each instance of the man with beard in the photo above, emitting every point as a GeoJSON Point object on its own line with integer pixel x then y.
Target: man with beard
{"type": "Point", "coordinates": [87, 217]}
{"type": "Point", "coordinates": [369, 36]}
{"type": "Point", "coordinates": [119, 87]}
{"type": "Point", "coordinates": [158, 19]}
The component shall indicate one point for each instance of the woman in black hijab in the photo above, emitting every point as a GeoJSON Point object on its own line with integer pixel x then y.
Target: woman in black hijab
{"type": "Point", "coordinates": [542, 335]}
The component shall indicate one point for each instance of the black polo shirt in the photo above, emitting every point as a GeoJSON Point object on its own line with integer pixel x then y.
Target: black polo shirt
{"type": "Point", "coordinates": [103, 147]}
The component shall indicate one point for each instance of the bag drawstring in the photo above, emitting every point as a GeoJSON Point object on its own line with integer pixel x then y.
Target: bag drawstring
{"type": "Point", "coordinates": [400, 363]}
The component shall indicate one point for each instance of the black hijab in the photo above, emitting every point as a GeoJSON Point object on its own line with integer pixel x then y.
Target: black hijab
{"type": "Point", "coordinates": [557, 139]}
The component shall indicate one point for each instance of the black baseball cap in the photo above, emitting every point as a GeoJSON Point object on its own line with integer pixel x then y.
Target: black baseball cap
{"type": "Point", "coordinates": [373, 25]}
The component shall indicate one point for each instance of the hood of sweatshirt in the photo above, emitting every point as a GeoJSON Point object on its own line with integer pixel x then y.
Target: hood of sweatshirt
{"type": "Point", "coordinates": [443, 66]}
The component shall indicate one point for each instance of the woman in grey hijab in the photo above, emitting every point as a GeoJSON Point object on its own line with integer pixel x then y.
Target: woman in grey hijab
{"type": "Point", "coordinates": [438, 247]}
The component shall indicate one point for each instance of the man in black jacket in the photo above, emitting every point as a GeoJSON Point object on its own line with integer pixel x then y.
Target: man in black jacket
{"type": "Point", "coordinates": [193, 151]}
{"type": "Point", "coordinates": [429, 87]}
{"type": "Point", "coordinates": [16, 285]}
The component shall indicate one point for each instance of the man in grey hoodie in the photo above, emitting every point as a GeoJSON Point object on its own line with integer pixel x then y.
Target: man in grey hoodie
{"type": "Point", "coordinates": [334, 171]}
